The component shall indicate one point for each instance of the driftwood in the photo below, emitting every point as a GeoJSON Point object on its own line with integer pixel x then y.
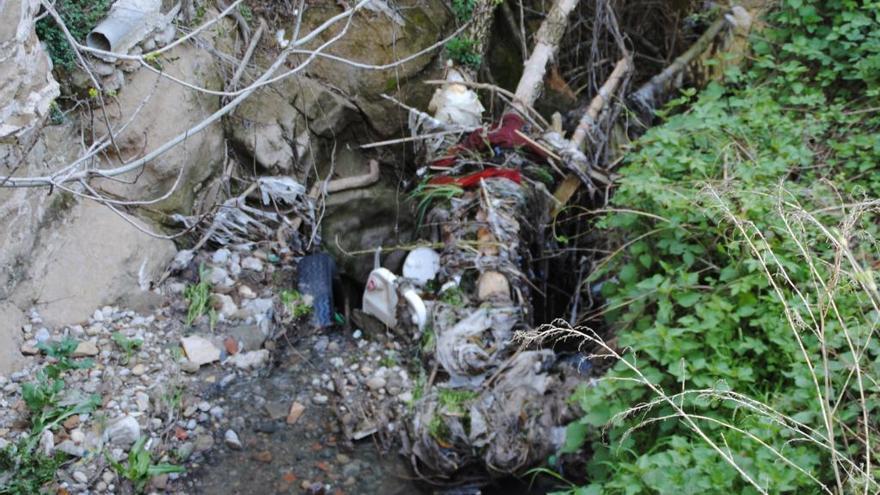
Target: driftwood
{"type": "Point", "coordinates": [547, 43]}
{"type": "Point", "coordinates": [649, 96]}
{"type": "Point", "coordinates": [644, 100]}
{"type": "Point", "coordinates": [585, 128]}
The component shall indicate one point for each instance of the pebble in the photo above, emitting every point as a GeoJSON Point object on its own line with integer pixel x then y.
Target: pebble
{"type": "Point", "coordinates": [264, 457]}
{"type": "Point", "coordinates": [200, 350]}
{"type": "Point", "coordinates": [138, 370]}
{"type": "Point", "coordinates": [231, 440]}
{"type": "Point", "coordinates": [77, 436]}
{"type": "Point", "coordinates": [296, 411]}
{"type": "Point", "coordinates": [320, 399]}
{"type": "Point", "coordinates": [124, 431]}
{"type": "Point", "coordinates": [42, 335]}
{"type": "Point", "coordinates": [376, 382]}
{"type": "Point", "coordinates": [220, 256]}
{"type": "Point", "coordinates": [251, 263]}
{"type": "Point", "coordinates": [98, 315]}
{"type": "Point", "coordinates": [80, 477]}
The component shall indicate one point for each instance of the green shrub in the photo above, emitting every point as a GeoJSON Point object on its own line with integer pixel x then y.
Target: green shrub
{"type": "Point", "coordinates": [464, 51]}
{"type": "Point", "coordinates": [80, 17]}
{"type": "Point", "coordinates": [743, 295]}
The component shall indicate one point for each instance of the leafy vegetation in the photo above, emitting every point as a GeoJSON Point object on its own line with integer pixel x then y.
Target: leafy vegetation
{"type": "Point", "coordinates": [199, 298]}
{"type": "Point", "coordinates": [744, 289]}
{"type": "Point", "coordinates": [127, 345]}
{"type": "Point", "coordinates": [295, 303]}
{"type": "Point", "coordinates": [80, 17]}
{"type": "Point", "coordinates": [140, 467]}
{"type": "Point", "coordinates": [62, 355]}
{"type": "Point", "coordinates": [49, 406]}
{"type": "Point", "coordinates": [464, 51]}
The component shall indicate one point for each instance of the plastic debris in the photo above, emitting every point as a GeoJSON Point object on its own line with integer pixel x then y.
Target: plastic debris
{"type": "Point", "coordinates": [455, 103]}
{"type": "Point", "coordinates": [316, 274]}
{"type": "Point", "coordinates": [380, 296]}
{"type": "Point", "coordinates": [421, 265]}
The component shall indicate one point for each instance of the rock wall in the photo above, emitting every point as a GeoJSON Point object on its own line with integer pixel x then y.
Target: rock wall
{"type": "Point", "coordinates": [27, 87]}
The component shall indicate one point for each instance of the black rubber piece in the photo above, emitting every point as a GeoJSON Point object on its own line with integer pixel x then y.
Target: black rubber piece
{"type": "Point", "coordinates": [316, 274]}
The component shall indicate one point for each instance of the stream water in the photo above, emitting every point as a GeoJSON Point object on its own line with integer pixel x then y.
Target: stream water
{"type": "Point", "coordinates": [309, 456]}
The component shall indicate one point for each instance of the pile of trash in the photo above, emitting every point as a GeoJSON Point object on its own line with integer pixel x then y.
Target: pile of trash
{"type": "Point", "coordinates": [485, 405]}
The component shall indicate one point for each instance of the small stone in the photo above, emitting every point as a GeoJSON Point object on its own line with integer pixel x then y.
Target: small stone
{"type": "Point", "coordinates": [493, 285]}
{"type": "Point", "coordinates": [123, 432]}
{"type": "Point", "coordinates": [42, 335]}
{"type": "Point", "coordinates": [199, 350]}
{"type": "Point", "coordinates": [204, 406]}
{"type": "Point", "coordinates": [376, 382]}
{"type": "Point", "coordinates": [108, 477]}
{"type": "Point", "coordinates": [189, 366]}
{"type": "Point", "coordinates": [70, 448]}
{"type": "Point", "coordinates": [231, 346]}
{"type": "Point", "coordinates": [142, 400]}
{"type": "Point", "coordinates": [185, 450]}
{"type": "Point", "coordinates": [276, 410]}
{"type": "Point", "coordinates": [138, 370]}
{"type": "Point", "coordinates": [216, 412]}
{"type": "Point", "coordinates": [47, 443]}
{"type": "Point", "coordinates": [246, 292]}
{"type": "Point", "coordinates": [250, 360]}
{"type": "Point", "coordinates": [86, 349]}
{"type": "Point", "coordinates": [98, 315]}
{"type": "Point", "coordinates": [159, 482]}
{"type": "Point", "coordinates": [71, 422]}
{"type": "Point", "coordinates": [29, 350]}
{"type": "Point", "coordinates": [264, 457]}
{"type": "Point", "coordinates": [231, 440]}
{"type": "Point", "coordinates": [219, 277]}
{"type": "Point", "coordinates": [357, 334]}
{"type": "Point", "coordinates": [221, 256]}
{"type": "Point", "coordinates": [296, 412]}
{"type": "Point", "coordinates": [320, 399]}
{"type": "Point", "coordinates": [77, 436]}
{"type": "Point", "coordinates": [224, 305]}
{"type": "Point", "coordinates": [80, 477]}
{"type": "Point", "coordinates": [251, 263]}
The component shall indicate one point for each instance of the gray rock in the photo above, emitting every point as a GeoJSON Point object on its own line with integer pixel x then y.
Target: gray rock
{"type": "Point", "coordinates": [219, 276]}
{"type": "Point", "coordinates": [46, 444]}
{"type": "Point", "coordinates": [123, 432]}
{"type": "Point", "coordinates": [220, 256]}
{"type": "Point", "coordinates": [200, 350]}
{"type": "Point", "coordinates": [70, 448]}
{"type": "Point", "coordinates": [43, 335]}
{"type": "Point", "coordinates": [376, 383]}
{"type": "Point", "coordinates": [230, 438]}
{"type": "Point", "coordinates": [27, 87]}
{"type": "Point", "coordinates": [251, 263]}
{"type": "Point", "coordinates": [80, 477]}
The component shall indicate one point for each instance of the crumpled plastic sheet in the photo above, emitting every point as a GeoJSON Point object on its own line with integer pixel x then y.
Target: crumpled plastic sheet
{"type": "Point", "coordinates": [515, 422]}
{"type": "Point", "coordinates": [470, 348]}
{"type": "Point", "coordinates": [237, 223]}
